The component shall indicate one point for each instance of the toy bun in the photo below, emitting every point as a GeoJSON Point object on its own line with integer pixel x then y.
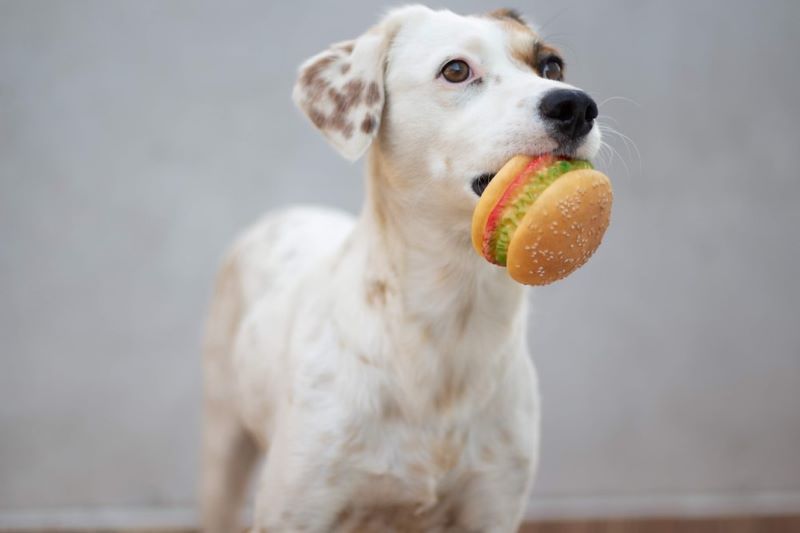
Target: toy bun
{"type": "Point", "coordinates": [562, 229]}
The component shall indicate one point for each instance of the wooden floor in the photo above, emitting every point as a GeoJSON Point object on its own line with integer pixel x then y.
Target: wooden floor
{"type": "Point", "coordinates": [781, 524]}
{"type": "Point", "coordinates": [786, 524]}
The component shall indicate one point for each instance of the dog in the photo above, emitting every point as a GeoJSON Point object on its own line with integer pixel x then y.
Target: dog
{"type": "Point", "coordinates": [377, 364]}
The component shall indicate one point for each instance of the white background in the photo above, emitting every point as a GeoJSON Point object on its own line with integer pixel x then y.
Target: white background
{"type": "Point", "coordinates": [137, 138]}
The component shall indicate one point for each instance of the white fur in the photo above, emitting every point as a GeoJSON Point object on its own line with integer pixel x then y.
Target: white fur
{"type": "Point", "coordinates": [379, 364]}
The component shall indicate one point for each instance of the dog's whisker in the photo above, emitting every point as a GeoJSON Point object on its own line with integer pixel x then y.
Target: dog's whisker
{"type": "Point", "coordinates": [620, 98]}
{"type": "Point", "coordinates": [606, 153]}
{"type": "Point", "coordinates": [608, 117]}
{"type": "Point", "coordinates": [627, 141]}
{"type": "Point", "coordinates": [607, 129]}
{"type": "Point", "coordinates": [614, 152]}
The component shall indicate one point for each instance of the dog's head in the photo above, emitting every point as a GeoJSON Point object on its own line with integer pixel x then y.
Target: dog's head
{"type": "Point", "coordinates": [450, 98]}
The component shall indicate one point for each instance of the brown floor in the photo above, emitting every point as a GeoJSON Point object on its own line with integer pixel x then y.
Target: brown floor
{"type": "Point", "coordinates": [786, 524]}
{"type": "Point", "coordinates": [781, 524]}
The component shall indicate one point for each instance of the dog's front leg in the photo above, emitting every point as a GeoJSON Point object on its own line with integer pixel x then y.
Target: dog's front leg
{"type": "Point", "coordinates": [494, 502]}
{"type": "Point", "coordinates": [297, 490]}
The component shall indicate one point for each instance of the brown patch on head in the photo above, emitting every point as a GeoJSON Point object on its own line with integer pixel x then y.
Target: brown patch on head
{"type": "Point", "coordinates": [505, 13]}
{"type": "Point", "coordinates": [377, 291]}
{"type": "Point", "coordinates": [533, 53]}
{"type": "Point", "coordinates": [344, 69]}
{"type": "Point", "coordinates": [526, 46]}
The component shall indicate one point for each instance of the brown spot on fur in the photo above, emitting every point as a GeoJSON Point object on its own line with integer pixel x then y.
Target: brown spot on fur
{"type": "Point", "coordinates": [376, 293]}
{"type": "Point", "coordinates": [316, 85]}
{"type": "Point", "coordinates": [342, 517]}
{"type": "Point", "coordinates": [451, 517]}
{"type": "Point", "coordinates": [347, 47]}
{"type": "Point", "coordinates": [368, 124]}
{"type": "Point", "coordinates": [450, 392]}
{"type": "Point", "coordinates": [445, 455]}
{"type": "Point", "coordinates": [487, 454]}
{"type": "Point", "coordinates": [390, 409]}
{"type": "Point", "coordinates": [463, 315]}
{"type": "Point", "coordinates": [317, 117]}
{"type": "Point", "coordinates": [373, 94]}
{"type": "Point", "coordinates": [315, 69]}
{"type": "Point", "coordinates": [343, 101]}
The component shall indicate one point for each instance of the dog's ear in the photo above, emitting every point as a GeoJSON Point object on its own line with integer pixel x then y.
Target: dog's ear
{"type": "Point", "coordinates": [341, 90]}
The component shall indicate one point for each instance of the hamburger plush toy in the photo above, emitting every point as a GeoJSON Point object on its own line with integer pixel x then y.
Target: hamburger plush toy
{"type": "Point", "coordinates": [542, 217]}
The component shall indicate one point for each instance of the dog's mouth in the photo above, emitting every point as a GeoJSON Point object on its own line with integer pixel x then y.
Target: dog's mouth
{"type": "Point", "coordinates": [480, 183]}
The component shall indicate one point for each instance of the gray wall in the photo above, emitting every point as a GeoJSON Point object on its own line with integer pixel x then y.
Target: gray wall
{"type": "Point", "coordinates": [137, 138]}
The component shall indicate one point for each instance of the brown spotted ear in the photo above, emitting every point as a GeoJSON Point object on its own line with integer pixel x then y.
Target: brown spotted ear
{"type": "Point", "coordinates": [341, 91]}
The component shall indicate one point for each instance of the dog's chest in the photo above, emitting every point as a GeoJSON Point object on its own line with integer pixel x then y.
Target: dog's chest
{"type": "Point", "coordinates": [403, 472]}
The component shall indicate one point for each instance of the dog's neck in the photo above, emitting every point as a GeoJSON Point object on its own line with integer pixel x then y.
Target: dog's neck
{"type": "Point", "coordinates": [459, 318]}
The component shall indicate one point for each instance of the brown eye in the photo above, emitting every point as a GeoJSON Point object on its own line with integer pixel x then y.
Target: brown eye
{"type": "Point", "coordinates": [552, 69]}
{"type": "Point", "coordinates": [456, 71]}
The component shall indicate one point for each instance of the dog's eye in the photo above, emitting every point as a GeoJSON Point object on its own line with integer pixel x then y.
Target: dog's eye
{"type": "Point", "coordinates": [552, 69]}
{"type": "Point", "coordinates": [456, 71]}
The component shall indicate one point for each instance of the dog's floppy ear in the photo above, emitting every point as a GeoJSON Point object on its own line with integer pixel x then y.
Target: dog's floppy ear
{"type": "Point", "coordinates": [341, 91]}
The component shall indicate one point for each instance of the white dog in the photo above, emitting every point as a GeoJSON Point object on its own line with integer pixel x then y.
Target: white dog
{"type": "Point", "coordinates": [378, 364]}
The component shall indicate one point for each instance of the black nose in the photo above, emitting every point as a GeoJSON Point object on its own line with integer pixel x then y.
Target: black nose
{"type": "Point", "coordinates": [569, 113]}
